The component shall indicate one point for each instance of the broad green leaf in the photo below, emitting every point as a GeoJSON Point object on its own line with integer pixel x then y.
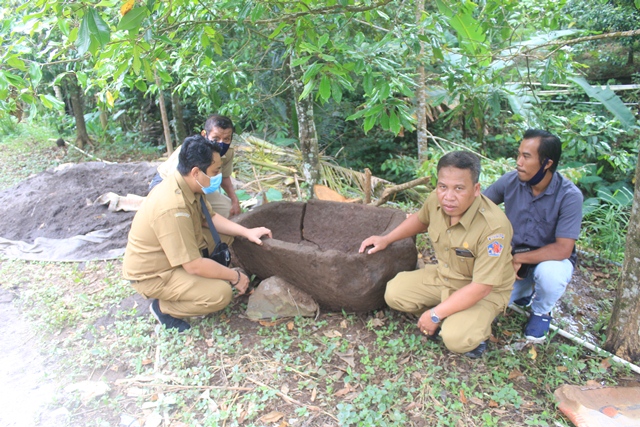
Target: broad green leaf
{"type": "Point", "coordinates": [394, 122]}
{"type": "Point", "coordinates": [273, 195]}
{"type": "Point", "coordinates": [97, 27]}
{"type": "Point", "coordinates": [277, 31]}
{"type": "Point", "coordinates": [16, 63]}
{"type": "Point", "coordinates": [357, 114]}
{"type": "Point", "coordinates": [300, 61]}
{"type": "Point", "coordinates": [146, 69]}
{"type": "Point", "coordinates": [45, 101]}
{"type": "Point", "coordinates": [375, 110]}
{"type": "Point", "coordinates": [327, 58]}
{"type": "Point", "coordinates": [166, 77]}
{"type": "Point", "coordinates": [325, 88]}
{"type": "Point", "coordinates": [610, 100]}
{"type": "Point", "coordinates": [307, 89]}
{"type": "Point", "coordinates": [204, 40]}
{"type": "Point", "coordinates": [50, 101]}
{"type": "Point", "coordinates": [637, 3]}
{"type": "Point", "coordinates": [336, 91]}
{"type": "Point", "coordinates": [136, 59]}
{"type": "Point", "coordinates": [166, 40]}
{"type": "Point", "coordinates": [368, 123]}
{"type": "Point", "coordinates": [384, 121]}
{"type": "Point", "coordinates": [133, 19]}
{"type": "Point", "coordinates": [84, 36]}
{"type": "Point", "coordinates": [82, 78]}
{"type": "Point", "coordinates": [141, 86]}
{"type": "Point", "coordinates": [323, 40]}
{"type": "Point", "coordinates": [367, 83]}
{"type": "Point", "coordinates": [36, 74]}
{"type": "Point", "coordinates": [257, 11]}
{"type": "Point", "coordinates": [312, 71]}
{"type": "Point", "coordinates": [63, 25]}
{"type": "Point", "coordinates": [107, 3]}
{"type": "Point", "coordinates": [384, 89]}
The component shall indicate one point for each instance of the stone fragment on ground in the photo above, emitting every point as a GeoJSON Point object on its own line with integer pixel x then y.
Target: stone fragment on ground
{"type": "Point", "coordinates": [275, 298]}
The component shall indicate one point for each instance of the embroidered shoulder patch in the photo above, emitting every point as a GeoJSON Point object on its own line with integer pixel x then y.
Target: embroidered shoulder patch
{"type": "Point", "coordinates": [496, 236]}
{"type": "Point", "coordinates": [184, 214]}
{"type": "Point", "coordinates": [494, 248]}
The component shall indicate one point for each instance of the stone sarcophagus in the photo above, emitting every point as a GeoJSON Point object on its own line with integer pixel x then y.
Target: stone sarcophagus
{"type": "Point", "coordinates": [315, 248]}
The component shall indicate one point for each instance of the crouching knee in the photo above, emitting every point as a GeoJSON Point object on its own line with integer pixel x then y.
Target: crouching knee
{"type": "Point", "coordinates": [217, 299]}
{"type": "Point", "coordinates": [458, 341]}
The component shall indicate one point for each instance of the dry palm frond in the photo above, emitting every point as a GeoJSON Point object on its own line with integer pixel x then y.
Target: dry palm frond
{"type": "Point", "coordinates": [279, 167]}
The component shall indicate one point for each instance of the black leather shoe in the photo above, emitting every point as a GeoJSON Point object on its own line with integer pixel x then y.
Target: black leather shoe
{"type": "Point", "coordinates": [477, 352]}
{"type": "Point", "coordinates": [167, 320]}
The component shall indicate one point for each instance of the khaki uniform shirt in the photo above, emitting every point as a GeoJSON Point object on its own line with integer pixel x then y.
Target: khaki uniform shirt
{"type": "Point", "coordinates": [476, 249]}
{"type": "Point", "coordinates": [171, 164]}
{"type": "Point", "coordinates": [166, 232]}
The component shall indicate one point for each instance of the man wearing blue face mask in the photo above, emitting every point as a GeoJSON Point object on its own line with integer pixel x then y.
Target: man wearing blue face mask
{"type": "Point", "coordinates": [219, 129]}
{"type": "Point", "coordinates": [166, 258]}
{"type": "Point", "coordinates": [545, 210]}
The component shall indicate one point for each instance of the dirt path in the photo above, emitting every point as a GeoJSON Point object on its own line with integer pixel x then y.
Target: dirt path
{"type": "Point", "coordinates": [25, 391]}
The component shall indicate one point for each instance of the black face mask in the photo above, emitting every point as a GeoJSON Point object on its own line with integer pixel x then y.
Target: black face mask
{"type": "Point", "coordinates": [539, 175]}
{"type": "Point", "coordinates": [223, 147]}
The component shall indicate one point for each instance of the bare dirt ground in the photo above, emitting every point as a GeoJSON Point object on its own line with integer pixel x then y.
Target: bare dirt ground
{"type": "Point", "coordinates": [57, 203]}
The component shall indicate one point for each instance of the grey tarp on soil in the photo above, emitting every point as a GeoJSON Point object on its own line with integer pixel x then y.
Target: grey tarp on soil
{"type": "Point", "coordinates": [51, 216]}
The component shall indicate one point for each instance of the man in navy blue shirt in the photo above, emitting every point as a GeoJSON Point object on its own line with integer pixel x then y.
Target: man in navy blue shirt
{"type": "Point", "coordinates": [545, 210]}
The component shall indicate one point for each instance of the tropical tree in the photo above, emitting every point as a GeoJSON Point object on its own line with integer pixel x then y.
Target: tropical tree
{"type": "Point", "coordinates": [623, 332]}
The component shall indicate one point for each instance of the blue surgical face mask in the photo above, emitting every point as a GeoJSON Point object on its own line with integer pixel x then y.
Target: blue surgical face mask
{"type": "Point", "coordinates": [214, 183]}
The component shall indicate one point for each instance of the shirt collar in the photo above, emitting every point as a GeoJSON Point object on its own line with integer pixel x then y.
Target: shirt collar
{"type": "Point", "coordinates": [551, 188]}
{"type": "Point", "coordinates": [184, 187]}
{"type": "Point", "coordinates": [468, 216]}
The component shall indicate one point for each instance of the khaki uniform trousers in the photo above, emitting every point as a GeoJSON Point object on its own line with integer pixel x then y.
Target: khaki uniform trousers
{"type": "Point", "coordinates": [416, 291]}
{"type": "Point", "coordinates": [181, 294]}
{"type": "Point", "coordinates": [220, 203]}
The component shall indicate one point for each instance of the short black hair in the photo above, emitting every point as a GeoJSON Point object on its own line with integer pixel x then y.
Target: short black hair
{"type": "Point", "coordinates": [197, 151]}
{"type": "Point", "coordinates": [550, 146]}
{"type": "Point", "coordinates": [462, 160]}
{"type": "Point", "coordinates": [218, 121]}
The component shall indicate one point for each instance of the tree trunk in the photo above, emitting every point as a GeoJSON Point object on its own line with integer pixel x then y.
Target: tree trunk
{"type": "Point", "coordinates": [163, 114]}
{"type": "Point", "coordinates": [306, 134]}
{"type": "Point", "coordinates": [623, 333]}
{"type": "Point", "coordinates": [421, 94]}
{"type": "Point", "coordinates": [178, 118]}
{"type": "Point", "coordinates": [75, 93]}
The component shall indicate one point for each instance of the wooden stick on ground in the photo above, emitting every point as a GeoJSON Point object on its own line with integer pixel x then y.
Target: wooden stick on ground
{"type": "Point", "coordinates": [388, 192]}
{"type": "Point", "coordinates": [290, 399]}
{"type": "Point", "coordinates": [367, 186]}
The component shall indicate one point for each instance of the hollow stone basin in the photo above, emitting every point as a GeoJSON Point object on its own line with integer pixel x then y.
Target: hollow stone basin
{"type": "Point", "coordinates": [315, 248]}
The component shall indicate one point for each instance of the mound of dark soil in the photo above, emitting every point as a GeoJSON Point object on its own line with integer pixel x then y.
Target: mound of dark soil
{"type": "Point", "coordinates": [58, 203]}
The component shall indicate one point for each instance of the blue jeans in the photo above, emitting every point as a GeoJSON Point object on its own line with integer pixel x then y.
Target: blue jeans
{"type": "Point", "coordinates": [547, 282]}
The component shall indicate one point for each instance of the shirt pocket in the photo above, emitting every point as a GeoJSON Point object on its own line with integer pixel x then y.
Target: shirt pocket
{"type": "Point", "coordinates": [464, 261]}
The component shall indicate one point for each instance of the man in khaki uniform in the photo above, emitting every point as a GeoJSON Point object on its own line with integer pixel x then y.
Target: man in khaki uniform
{"type": "Point", "coordinates": [216, 128]}
{"type": "Point", "coordinates": [472, 281]}
{"type": "Point", "coordinates": [164, 255]}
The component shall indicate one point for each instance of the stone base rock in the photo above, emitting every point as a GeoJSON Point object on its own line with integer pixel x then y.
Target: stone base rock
{"type": "Point", "coordinates": [315, 248]}
{"type": "Point", "coordinates": [275, 298]}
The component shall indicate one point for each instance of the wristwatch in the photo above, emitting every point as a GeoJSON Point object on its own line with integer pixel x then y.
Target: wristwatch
{"type": "Point", "coordinates": [434, 317]}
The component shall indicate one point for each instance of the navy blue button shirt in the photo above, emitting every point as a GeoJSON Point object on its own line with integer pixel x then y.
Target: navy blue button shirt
{"type": "Point", "coordinates": [538, 221]}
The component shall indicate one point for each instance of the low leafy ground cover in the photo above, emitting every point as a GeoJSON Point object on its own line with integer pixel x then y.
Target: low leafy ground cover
{"type": "Point", "coordinates": [341, 369]}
